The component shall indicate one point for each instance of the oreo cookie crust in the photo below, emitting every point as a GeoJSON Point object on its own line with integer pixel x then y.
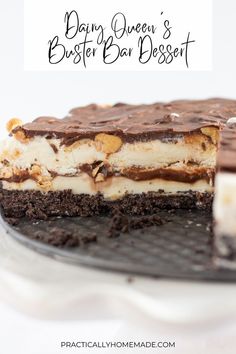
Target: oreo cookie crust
{"type": "Point", "coordinates": [37, 205]}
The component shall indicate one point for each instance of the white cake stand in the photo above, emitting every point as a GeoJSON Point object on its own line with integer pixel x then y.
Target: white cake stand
{"type": "Point", "coordinates": [47, 288]}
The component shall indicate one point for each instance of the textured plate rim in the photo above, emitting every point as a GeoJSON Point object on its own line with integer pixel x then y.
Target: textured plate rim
{"type": "Point", "coordinates": [64, 255]}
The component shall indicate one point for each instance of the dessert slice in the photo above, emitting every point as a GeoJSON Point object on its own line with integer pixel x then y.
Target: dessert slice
{"type": "Point", "coordinates": [137, 157]}
{"type": "Point", "coordinates": [225, 195]}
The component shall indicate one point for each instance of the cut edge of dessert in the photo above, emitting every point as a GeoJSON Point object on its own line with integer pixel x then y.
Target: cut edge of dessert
{"type": "Point", "coordinates": [139, 158]}
{"type": "Point", "coordinates": [224, 206]}
{"type": "Point", "coordinates": [173, 169]}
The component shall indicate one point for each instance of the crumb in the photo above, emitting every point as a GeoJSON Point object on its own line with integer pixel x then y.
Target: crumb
{"type": "Point", "coordinates": [130, 279]}
{"type": "Point", "coordinates": [57, 236]}
{"type": "Point", "coordinates": [13, 221]}
{"type": "Point", "coordinates": [89, 238]}
{"type": "Point", "coordinates": [121, 223]}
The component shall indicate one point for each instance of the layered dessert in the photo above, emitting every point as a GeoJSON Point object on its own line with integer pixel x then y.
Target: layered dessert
{"type": "Point", "coordinates": [136, 157]}
{"type": "Point", "coordinates": [225, 193]}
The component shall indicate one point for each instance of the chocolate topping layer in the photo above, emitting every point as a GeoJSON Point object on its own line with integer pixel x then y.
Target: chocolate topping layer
{"type": "Point", "coordinates": [133, 122]}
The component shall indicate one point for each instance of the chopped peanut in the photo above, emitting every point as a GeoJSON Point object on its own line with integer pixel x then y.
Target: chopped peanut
{"type": "Point", "coordinates": [212, 132]}
{"type": "Point", "coordinates": [108, 143]}
{"type": "Point", "coordinates": [12, 124]}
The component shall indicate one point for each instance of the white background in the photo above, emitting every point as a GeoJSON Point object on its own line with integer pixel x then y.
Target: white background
{"type": "Point", "coordinates": [29, 94]}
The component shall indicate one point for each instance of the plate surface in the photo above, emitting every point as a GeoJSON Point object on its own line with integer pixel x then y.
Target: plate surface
{"type": "Point", "coordinates": [180, 248]}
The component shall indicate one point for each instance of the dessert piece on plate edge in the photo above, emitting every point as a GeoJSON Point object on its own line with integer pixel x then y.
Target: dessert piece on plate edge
{"type": "Point", "coordinates": [139, 158]}
{"type": "Point", "coordinates": [224, 207]}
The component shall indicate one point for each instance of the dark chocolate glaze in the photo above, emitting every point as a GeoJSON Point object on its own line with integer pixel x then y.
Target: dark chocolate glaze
{"type": "Point", "coordinates": [170, 174]}
{"type": "Point", "coordinates": [134, 173]}
{"type": "Point", "coordinates": [134, 122]}
{"type": "Point", "coordinates": [140, 174]}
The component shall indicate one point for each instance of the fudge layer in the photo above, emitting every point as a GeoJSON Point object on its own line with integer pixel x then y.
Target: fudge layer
{"type": "Point", "coordinates": [144, 156]}
{"type": "Point", "coordinates": [225, 192]}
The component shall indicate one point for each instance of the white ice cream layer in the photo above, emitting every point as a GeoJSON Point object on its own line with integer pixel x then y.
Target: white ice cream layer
{"type": "Point", "coordinates": [112, 188]}
{"type": "Point", "coordinates": [224, 206]}
{"type": "Point", "coordinates": [153, 154]}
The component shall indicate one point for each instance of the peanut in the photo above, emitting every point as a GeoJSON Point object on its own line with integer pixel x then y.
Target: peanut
{"type": "Point", "coordinates": [96, 169]}
{"type": "Point", "coordinates": [35, 170]}
{"type": "Point", "coordinates": [6, 172]}
{"type": "Point", "coordinates": [12, 124]}
{"type": "Point", "coordinates": [20, 136]}
{"type": "Point", "coordinates": [99, 178]}
{"type": "Point", "coordinates": [107, 143]}
{"type": "Point", "coordinates": [44, 183]}
{"type": "Point", "coordinates": [212, 132]}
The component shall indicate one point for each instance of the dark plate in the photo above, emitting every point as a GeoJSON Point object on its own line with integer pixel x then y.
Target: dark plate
{"type": "Point", "coordinates": [180, 248]}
